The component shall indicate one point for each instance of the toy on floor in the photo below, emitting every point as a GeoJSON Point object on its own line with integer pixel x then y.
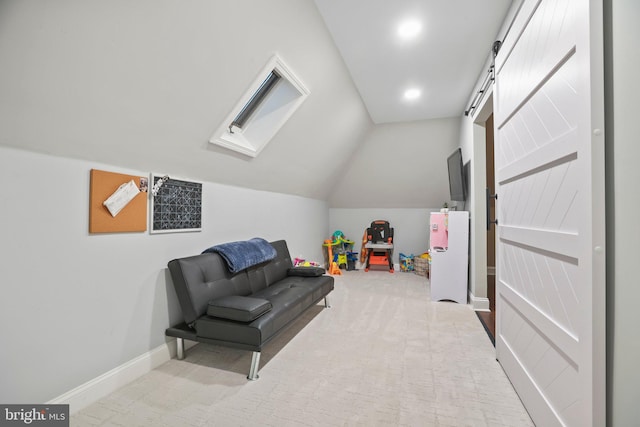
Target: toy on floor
{"type": "Point", "coordinates": [352, 258]}
{"type": "Point", "coordinates": [335, 269]}
{"type": "Point", "coordinates": [339, 251]}
{"type": "Point", "coordinates": [300, 262]}
{"type": "Point", "coordinates": [421, 264]}
{"type": "Point", "coordinates": [364, 250]}
{"type": "Point", "coordinates": [406, 262]}
{"type": "Point", "coordinates": [379, 244]}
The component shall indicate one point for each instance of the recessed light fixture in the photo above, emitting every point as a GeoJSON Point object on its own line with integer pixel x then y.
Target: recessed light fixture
{"type": "Point", "coordinates": [409, 29]}
{"type": "Point", "coordinates": [411, 94]}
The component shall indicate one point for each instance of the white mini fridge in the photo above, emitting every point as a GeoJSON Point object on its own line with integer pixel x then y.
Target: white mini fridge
{"type": "Point", "coordinates": [449, 248]}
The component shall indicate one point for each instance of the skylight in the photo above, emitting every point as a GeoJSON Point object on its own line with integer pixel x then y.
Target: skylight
{"type": "Point", "coordinates": [260, 113]}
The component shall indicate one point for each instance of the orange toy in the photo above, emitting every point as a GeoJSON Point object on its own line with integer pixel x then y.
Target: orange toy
{"type": "Point", "coordinates": [363, 251]}
{"type": "Point", "coordinates": [333, 267]}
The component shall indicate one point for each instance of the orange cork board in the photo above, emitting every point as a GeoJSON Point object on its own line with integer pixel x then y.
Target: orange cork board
{"type": "Point", "coordinates": [133, 217]}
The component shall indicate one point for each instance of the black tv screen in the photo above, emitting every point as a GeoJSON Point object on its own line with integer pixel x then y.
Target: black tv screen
{"type": "Point", "coordinates": [456, 176]}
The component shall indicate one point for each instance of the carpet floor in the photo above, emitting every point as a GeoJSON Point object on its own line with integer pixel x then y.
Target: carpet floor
{"type": "Point", "coordinates": [382, 355]}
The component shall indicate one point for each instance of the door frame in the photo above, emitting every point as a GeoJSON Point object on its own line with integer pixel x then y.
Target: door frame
{"type": "Point", "coordinates": [478, 260]}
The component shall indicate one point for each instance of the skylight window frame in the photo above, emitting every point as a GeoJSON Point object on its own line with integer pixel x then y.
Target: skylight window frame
{"type": "Point", "coordinates": [268, 114]}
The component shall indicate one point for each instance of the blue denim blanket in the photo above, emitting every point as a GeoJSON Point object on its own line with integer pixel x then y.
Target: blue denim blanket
{"type": "Point", "coordinates": [244, 254]}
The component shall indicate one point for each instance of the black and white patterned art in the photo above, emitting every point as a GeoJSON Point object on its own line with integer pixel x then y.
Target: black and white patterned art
{"type": "Point", "coordinates": [176, 205]}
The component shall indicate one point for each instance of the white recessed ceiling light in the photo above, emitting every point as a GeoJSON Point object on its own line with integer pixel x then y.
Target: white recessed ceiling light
{"type": "Point", "coordinates": [409, 29]}
{"type": "Point", "coordinates": [411, 94]}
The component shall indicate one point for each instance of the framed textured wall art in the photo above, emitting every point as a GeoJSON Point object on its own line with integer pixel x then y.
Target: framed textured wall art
{"type": "Point", "coordinates": [176, 205]}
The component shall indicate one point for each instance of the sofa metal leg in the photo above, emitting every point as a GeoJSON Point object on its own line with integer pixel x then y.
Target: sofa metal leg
{"type": "Point", "coordinates": [255, 364]}
{"type": "Point", "coordinates": [180, 348]}
{"type": "Point", "coordinates": [326, 302]}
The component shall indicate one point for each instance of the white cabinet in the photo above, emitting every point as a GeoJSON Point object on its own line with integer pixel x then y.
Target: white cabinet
{"type": "Point", "coordinates": [449, 241]}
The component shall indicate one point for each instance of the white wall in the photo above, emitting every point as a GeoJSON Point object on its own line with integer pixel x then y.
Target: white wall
{"type": "Point", "coordinates": [623, 204]}
{"type": "Point", "coordinates": [398, 165]}
{"type": "Point", "coordinates": [75, 305]}
{"type": "Point", "coordinates": [411, 227]}
{"type": "Point", "coordinates": [473, 143]}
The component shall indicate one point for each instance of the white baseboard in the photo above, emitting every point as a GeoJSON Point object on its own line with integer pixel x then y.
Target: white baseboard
{"type": "Point", "coordinates": [479, 303]}
{"type": "Point", "coordinates": [99, 387]}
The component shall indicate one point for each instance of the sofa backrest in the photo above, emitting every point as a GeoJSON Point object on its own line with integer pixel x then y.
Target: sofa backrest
{"type": "Point", "coordinates": [201, 278]}
{"type": "Point", "coordinates": [277, 268]}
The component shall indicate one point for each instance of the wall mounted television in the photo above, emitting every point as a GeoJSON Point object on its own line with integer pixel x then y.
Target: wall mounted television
{"type": "Point", "coordinates": [457, 188]}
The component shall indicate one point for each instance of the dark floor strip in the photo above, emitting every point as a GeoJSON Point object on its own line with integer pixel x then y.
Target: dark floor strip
{"type": "Point", "coordinates": [493, 341]}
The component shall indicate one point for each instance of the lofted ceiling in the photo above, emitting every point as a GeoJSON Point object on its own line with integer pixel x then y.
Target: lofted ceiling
{"type": "Point", "coordinates": [442, 62]}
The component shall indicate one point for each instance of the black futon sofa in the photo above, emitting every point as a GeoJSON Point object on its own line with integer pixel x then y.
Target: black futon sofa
{"type": "Point", "coordinates": [245, 309]}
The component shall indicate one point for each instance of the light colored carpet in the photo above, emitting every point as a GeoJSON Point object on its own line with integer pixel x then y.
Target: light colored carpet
{"type": "Point", "coordinates": [382, 355]}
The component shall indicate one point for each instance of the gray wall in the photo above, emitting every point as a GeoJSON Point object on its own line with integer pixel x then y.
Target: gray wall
{"type": "Point", "coordinates": [139, 87]}
{"type": "Point", "coordinates": [399, 174]}
{"type": "Point", "coordinates": [622, 58]}
{"type": "Point", "coordinates": [75, 305]}
{"type": "Point", "coordinates": [144, 85]}
{"type": "Point", "coordinates": [411, 226]}
{"type": "Point", "coordinates": [399, 165]}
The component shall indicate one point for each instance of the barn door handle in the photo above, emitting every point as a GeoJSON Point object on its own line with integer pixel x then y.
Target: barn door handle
{"type": "Point", "coordinates": [489, 221]}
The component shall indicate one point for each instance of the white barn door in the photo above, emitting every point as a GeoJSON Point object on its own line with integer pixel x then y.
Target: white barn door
{"type": "Point", "coordinates": [550, 288]}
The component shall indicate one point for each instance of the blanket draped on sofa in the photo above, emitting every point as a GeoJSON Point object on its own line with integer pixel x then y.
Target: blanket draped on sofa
{"type": "Point", "coordinates": [244, 254]}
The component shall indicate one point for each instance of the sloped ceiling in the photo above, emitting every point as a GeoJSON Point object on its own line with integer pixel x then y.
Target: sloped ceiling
{"type": "Point", "coordinates": [144, 84]}
{"type": "Point", "coordinates": [401, 165]}
{"type": "Point", "coordinates": [443, 61]}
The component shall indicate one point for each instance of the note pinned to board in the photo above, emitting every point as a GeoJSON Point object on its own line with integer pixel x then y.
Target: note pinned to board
{"type": "Point", "coordinates": [132, 218]}
{"type": "Point", "coordinates": [121, 197]}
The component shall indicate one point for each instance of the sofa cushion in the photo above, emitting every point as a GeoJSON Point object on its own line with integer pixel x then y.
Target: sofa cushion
{"type": "Point", "coordinates": [306, 271]}
{"type": "Point", "coordinates": [238, 308]}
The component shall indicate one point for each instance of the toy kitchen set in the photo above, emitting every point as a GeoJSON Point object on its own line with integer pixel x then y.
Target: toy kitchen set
{"type": "Point", "coordinates": [449, 249]}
